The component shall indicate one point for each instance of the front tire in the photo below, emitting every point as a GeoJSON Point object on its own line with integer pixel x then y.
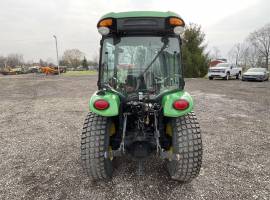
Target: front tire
{"type": "Point", "coordinates": [210, 78]}
{"type": "Point", "coordinates": [95, 142]}
{"type": "Point", "coordinates": [227, 77]}
{"type": "Point", "coordinates": [187, 143]}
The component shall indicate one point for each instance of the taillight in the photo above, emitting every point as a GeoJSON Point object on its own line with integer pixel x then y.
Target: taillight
{"type": "Point", "coordinates": [181, 104]}
{"type": "Point", "coordinates": [101, 104]}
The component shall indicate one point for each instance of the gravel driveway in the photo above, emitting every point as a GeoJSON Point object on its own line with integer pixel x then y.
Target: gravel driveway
{"type": "Point", "coordinates": [41, 119]}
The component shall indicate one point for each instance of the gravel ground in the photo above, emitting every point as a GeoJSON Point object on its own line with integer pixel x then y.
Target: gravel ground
{"type": "Point", "coordinates": [40, 124]}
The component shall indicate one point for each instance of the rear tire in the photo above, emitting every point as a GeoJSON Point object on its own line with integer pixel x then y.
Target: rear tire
{"type": "Point", "coordinates": [238, 75]}
{"type": "Point", "coordinates": [187, 143]}
{"type": "Point", "coordinates": [94, 143]}
{"type": "Point", "coordinates": [210, 78]}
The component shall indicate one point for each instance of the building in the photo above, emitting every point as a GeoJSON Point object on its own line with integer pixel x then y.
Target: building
{"type": "Point", "coordinates": [213, 63]}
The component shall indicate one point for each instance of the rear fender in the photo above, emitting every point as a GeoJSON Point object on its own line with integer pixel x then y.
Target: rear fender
{"type": "Point", "coordinates": [169, 99]}
{"type": "Point", "coordinates": [112, 99]}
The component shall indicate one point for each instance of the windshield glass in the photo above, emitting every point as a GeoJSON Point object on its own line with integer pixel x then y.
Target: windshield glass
{"type": "Point", "coordinates": [223, 65]}
{"type": "Point", "coordinates": [133, 64]}
{"type": "Point", "coordinates": [256, 70]}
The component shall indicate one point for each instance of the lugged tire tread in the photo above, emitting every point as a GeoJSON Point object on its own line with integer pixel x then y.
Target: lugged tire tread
{"type": "Point", "coordinates": [187, 143]}
{"type": "Point", "coordinates": [93, 146]}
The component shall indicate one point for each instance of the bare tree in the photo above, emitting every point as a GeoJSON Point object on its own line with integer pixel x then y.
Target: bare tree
{"type": "Point", "coordinates": [260, 40]}
{"type": "Point", "coordinates": [246, 59]}
{"type": "Point", "coordinates": [215, 53]}
{"type": "Point", "coordinates": [95, 61]}
{"type": "Point", "coordinates": [49, 62]}
{"type": "Point", "coordinates": [73, 57]}
{"type": "Point", "coordinates": [235, 54]}
{"type": "Point", "coordinates": [14, 60]}
{"type": "Point", "coordinates": [3, 61]}
{"type": "Point", "coordinates": [248, 55]}
{"type": "Point", "coordinates": [42, 63]}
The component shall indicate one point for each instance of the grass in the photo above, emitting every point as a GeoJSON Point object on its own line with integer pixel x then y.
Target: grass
{"type": "Point", "coordinates": [80, 73]}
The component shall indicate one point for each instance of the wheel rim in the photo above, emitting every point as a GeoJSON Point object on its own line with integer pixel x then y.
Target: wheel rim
{"type": "Point", "coordinates": [112, 129]}
{"type": "Point", "coordinates": [169, 129]}
{"type": "Point", "coordinates": [110, 152]}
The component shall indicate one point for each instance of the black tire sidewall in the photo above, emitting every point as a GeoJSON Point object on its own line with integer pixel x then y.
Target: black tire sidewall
{"type": "Point", "coordinates": [174, 167]}
{"type": "Point", "coordinates": [95, 144]}
{"type": "Point", "coordinates": [107, 162]}
{"type": "Point", "coordinates": [227, 76]}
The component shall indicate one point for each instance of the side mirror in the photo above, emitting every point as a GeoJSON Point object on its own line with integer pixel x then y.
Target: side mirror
{"type": "Point", "coordinates": [231, 67]}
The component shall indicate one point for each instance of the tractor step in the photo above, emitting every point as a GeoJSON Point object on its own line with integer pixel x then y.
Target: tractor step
{"type": "Point", "coordinates": [114, 153]}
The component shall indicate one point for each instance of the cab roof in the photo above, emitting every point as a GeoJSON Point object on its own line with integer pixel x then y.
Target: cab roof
{"type": "Point", "coordinates": [139, 14]}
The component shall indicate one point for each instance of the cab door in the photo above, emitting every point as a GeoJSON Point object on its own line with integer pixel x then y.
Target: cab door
{"type": "Point", "coordinates": [234, 70]}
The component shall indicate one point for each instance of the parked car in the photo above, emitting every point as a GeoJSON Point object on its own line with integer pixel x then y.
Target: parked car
{"type": "Point", "coordinates": [225, 71]}
{"type": "Point", "coordinates": [33, 69]}
{"type": "Point", "coordinates": [256, 74]}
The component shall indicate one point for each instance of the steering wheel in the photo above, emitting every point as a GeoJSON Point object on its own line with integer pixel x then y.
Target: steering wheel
{"type": "Point", "coordinates": [113, 81]}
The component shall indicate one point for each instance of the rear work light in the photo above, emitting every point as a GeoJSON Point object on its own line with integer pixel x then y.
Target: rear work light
{"type": "Point", "coordinates": [178, 25]}
{"type": "Point", "coordinates": [103, 26]}
{"type": "Point", "coordinates": [178, 30]}
{"type": "Point", "coordinates": [104, 30]}
{"type": "Point", "coordinates": [181, 104]}
{"type": "Point", "coordinates": [101, 104]}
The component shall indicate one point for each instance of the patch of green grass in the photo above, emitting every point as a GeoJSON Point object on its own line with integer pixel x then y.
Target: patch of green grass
{"type": "Point", "coordinates": [80, 73]}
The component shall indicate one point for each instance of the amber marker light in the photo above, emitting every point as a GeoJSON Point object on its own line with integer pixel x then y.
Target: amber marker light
{"type": "Point", "coordinates": [105, 23]}
{"type": "Point", "coordinates": [176, 21]}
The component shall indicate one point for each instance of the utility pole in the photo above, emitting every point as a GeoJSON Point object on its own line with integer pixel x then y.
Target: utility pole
{"type": "Point", "coordinates": [57, 54]}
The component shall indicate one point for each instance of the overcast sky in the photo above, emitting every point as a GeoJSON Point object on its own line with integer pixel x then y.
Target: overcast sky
{"type": "Point", "coordinates": [27, 26]}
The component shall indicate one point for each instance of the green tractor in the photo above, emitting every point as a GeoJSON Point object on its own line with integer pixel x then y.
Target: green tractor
{"type": "Point", "coordinates": [141, 109]}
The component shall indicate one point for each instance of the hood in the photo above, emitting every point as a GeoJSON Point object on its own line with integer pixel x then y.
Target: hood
{"type": "Point", "coordinates": [254, 73]}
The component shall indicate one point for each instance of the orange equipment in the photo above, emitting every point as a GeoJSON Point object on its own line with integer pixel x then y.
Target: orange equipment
{"type": "Point", "coordinates": [48, 70]}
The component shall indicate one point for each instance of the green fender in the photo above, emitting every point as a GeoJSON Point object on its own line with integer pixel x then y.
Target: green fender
{"type": "Point", "coordinates": [168, 100]}
{"type": "Point", "coordinates": [113, 100]}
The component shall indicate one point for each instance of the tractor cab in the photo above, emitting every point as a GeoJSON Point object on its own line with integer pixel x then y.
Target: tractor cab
{"type": "Point", "coordinates": [140, 53]}
{"type": "Point", "coordinates": [141, 108]}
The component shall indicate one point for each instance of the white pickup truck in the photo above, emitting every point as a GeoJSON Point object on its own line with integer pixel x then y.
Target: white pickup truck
{"type": "Point", "coordinates": [225, 71]}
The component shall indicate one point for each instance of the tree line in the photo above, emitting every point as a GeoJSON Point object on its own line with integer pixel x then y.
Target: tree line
{"type": "Point", "coordinates": [254, 51]}
{"type": "Point", "coordinates": [195, 59]}
{"type": "Point", "coordinates": [17, 60]}
{"type": "Point", "coordinates": [72, 58]}
{"type": "Point", "coordinates": [12, 60]}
